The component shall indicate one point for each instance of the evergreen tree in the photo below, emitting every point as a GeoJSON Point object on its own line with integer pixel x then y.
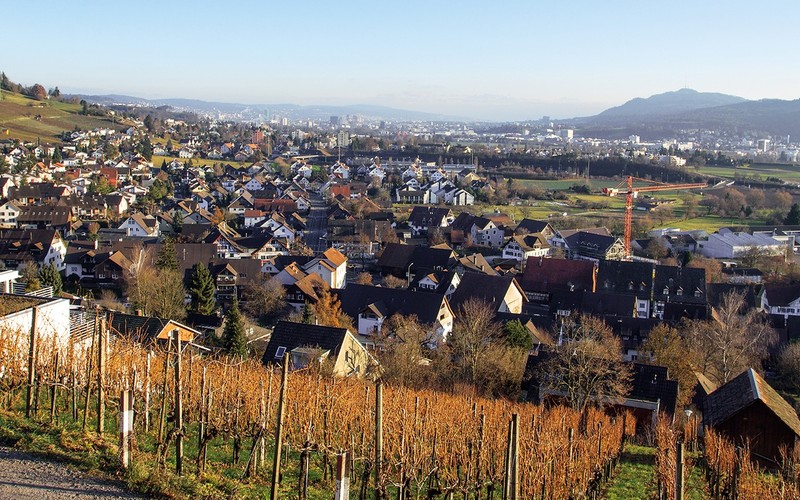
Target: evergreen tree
{"type": "Point", "coordinates": [57, 155]}
{"type": "Point", "coordinates": [49, 276]}
{"type": "Point", "coordinates": [202, 290]}
{"type": "Point", "coordinates": [308, 315]}
{"type": "Point", "coordinates": [167, 257]}
{"type": "Point", "coordinates": [233, 337]}
{"type": "Point", "coordinates": [793, 217]}
{"type": "Point", "coordinates": [517, 336]}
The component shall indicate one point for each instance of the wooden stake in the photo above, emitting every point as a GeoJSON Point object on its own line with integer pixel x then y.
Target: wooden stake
{"type": "Point", "coordinates": [378, 437]}
{"type": "Point", "coordinates": [54, 389]}
{"type": "Point", "coordinates": [102, 338]}
{"type": "Point", "coordinates": [276, 463]}
{"type": "Point", "coordinates": [679, 470]}
{"type": "Point", "coordinates": [125, 427]}
{"type": "Point", "coordinates": [342, 477]}
{"type": "Point", "coordinates": [147, 392]}
{"type": "Point", "coordinates": [32, 352]}
{"type": "Point", "coordinates": [178, 404]}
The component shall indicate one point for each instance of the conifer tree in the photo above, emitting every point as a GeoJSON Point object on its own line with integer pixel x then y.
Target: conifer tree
{"type": "Point", "coordinates": [233, 336]}
{"type": "Point", "coordinates": [49, 276]}
{"type": "Point", "coordinates": [202, 290]}
{"type": "Point", "coordinates": [167, 257]}
{"type": "Point", "coordinates": [308, 315]}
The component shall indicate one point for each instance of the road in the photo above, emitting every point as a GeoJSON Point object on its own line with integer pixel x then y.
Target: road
{"type": "Point", "coordinates": [26, 476]}
{"type": "Point", "coordinates": [317, 225]}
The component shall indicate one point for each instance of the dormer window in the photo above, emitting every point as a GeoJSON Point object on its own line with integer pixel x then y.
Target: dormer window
{"type": "Point", "coordinates": [630, 285]}
{"type": "Point", "coordinates": [679, 291]}
{"type": "Point", "coordinates": [666, 291]}
{"type": "Point", "coordinates": [641, 286]}
{"type": "Point", "coordinates": [698, 293]}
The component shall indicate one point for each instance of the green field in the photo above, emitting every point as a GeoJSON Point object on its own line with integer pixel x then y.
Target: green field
{"type": "Point", "coordinates": [157, 160]}
{"type": "Point", "coordinates": [565, 184]}
{"type": "Point", "coordinates": [788, 173]}
{"type": "Point", "coordinates": [30, 120]}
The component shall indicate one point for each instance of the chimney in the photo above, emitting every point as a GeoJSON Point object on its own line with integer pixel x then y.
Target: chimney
{"type": "Point", "coordinates": [139, 312]}
{"type": "Point", "coordinates": [96, 244]}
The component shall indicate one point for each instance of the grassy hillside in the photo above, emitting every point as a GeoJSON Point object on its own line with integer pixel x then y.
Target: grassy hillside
{"type": "Point", "coordinates": [27, 119]}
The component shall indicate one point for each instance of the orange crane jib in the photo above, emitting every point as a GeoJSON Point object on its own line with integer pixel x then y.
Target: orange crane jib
{"type": "Point", "coordinates": [627, 188]}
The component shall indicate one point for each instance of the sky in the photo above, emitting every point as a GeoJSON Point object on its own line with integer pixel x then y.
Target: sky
{"type": "Point", "coordinates": [504, 60]}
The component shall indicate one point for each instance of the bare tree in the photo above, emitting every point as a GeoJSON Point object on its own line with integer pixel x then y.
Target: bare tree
{"type": "Point", "coordinates": [736, 340]}
{"type": "Point", "coordinates": [788, 366]}
{"type": "Point", "coordinates": [587, 366]}
{"type": "Point", "coordinates": [264, 297]}
{"type": "Point", "coordinates": [668, 348]}
{"type": "Point", "coordinates": [155, 292]}
{"type": "Point", "coordinates": [473, 335]}
{"type": "Point", "coordinates": [404, 349]}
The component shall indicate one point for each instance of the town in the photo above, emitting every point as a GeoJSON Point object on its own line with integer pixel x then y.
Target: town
{"type": "Point", "coordinates": [527, 263]}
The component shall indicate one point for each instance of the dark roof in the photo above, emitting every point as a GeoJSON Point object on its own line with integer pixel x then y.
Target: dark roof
{"type": "Point", "coordinates": [608, 304]}
{"type": "Point", "coordinates": [533, 226]}
{"type": "Point", "coordinates": [291, 335]}
{"type": "Point", "coordinates": [715, 293]}
{"type": "Point", "coordinates": [355, 298]}
{"type": "Point", "coordinates": [651, 383]}
{"type": "Point", "coordinates": [492, 289]}
{"type": "Point", "coordinates": [685, 284]}
{"type": "Point", "coordinates": [631, 278]}
{"type": "Point", "coordinates": [142, 328]}
{"type": "Point", "coordinates": [428, 216]}
{"type": "Point", "coordinates": [741, 392]}
{"type": "Point", "coordinates": [557, 274]}
{"type": "Point", "coordinates": [50, 215]}
{"type": "Point", "coordinates": [397, 257]}
{"type": "Point", "coordinates": [23, 244]}
{"type": "Point", "coordinates": [781, 295]}
{"type": "Point", "coordinates": [590, 244]}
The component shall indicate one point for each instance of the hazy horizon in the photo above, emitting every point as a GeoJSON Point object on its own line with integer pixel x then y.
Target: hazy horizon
{"type": "Point", "coordinates": [513, 61]}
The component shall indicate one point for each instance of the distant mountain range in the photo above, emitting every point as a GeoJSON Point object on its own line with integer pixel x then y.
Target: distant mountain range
{"type": "Point", "coordinates": [689, 109]}
{"type": "Point", "coordinates": [265, 111]}
{"type": "Point", "coordinates": [653, 117]}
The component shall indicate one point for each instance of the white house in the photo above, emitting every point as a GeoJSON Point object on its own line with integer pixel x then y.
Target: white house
{"type": "Point", "coordinates": [331, 266]}
{"type": "Point", "coordinates": [142, 226]}
{"type": "Point", "coordinates": [9, 211]}
{"type": "Point", "coordinates": [520, 247]}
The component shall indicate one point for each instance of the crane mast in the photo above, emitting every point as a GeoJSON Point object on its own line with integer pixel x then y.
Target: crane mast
{"type": "Point", "coordinates": [626, 187]}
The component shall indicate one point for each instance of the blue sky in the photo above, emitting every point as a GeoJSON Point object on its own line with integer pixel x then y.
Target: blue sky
{"type": "Point", "coordinates": [490, 60]}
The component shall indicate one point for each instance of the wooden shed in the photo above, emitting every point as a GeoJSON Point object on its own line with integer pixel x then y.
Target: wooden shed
{"type": "Point", "coordinates": [748, 410]}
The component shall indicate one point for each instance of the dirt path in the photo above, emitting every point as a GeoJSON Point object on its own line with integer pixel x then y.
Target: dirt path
{"type": "Point", "coordinates": [26, 476]}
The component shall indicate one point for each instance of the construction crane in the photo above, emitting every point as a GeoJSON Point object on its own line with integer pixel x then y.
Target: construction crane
{"type": "Point", "coordinates": [626, 187]}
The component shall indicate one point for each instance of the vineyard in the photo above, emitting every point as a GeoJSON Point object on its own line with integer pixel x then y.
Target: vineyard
{"type": "Point", "coordinates": [730, 472]}
{"type": "Point", "coordinates": [197, 415]}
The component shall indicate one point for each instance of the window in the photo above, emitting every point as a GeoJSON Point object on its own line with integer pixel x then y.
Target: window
{"type": "Point", "coordinates": [280, 352]}
{"type": "Point", "coordinates": [679, 291]}
{"type": "Point", "coordinates": [666, 291]}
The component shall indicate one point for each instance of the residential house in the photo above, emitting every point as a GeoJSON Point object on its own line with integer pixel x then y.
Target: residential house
{"type": "Point", "coordinates": [147, 330]}
{"type": "Point", "coordinates": [527, 226]}
{"type": "Point", "coordinates": [306, 344]}
{"type": "Point", "coordinates": [522, 247]}
{"type": "Point", "coordinates": [481, 231]}
{"type": "Point", "coordinates": [502, 293]}
{"type": "Point", "coordinates": [41, 246]}
{"type": "Point", "coordinates": [141, 226]}
{"type": "Point", "coordinates": [422, 219]}
{"type": "Point", "coordinates": [407, 260]}
{"type": "Point", "coordinates": [9, 211]}
{"type": "Point", "coordinates": [371, 306]}
{"type": "Point", "coordinates": [331, 265]}
{"type": "Point", "coordinates": [593, 244]}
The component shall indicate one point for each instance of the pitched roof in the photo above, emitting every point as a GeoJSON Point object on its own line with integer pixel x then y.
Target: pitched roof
{"type": "Point", "coordinates": [290, 335]}
{"type": "Point", "coordinates": [355, 298]}
{"type": "Point", "coordinates": [781, 295]}
{"type": "Point", "coordinates": [478, 263]}
{"type": "Point", "coordinates": [533, 226]}
{"type": "Point", "coordinates": [743, 391]}
{"type": "Point", "coordinates": [428, 216]}
{"type": "Point", "coordinates": [553, 274]}
{"type": "Point", "coordinates": [651, 383]}
{"type": "Point", "coordinates": [399, 256]}
{"type": "Point", "coordinates": [492, 289]}
{"type": "Point", "coordinates": [336, 257]}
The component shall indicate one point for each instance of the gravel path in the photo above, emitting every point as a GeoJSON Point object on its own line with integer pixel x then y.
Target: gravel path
{"type": "Point", "coordinates": [26, 476]}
